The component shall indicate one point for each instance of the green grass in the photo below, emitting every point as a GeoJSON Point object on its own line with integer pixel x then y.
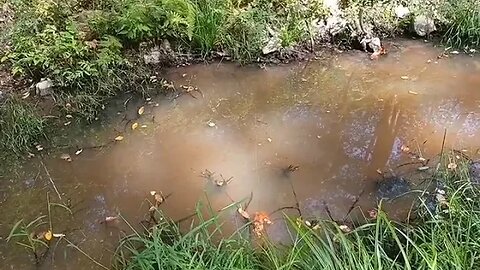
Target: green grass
{"type": "Point", "coordinates": [448, 238]}
{"type": "Point", "coordinates": [463, 23]}
{"type": "Point", "coordinates": [20, 125]}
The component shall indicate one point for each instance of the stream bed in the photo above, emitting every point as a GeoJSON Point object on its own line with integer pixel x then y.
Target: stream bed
{"type": "Point", "coordinates": [325, 128]}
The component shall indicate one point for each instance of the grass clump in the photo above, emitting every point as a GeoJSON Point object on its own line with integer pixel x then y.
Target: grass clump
{"type": "Point", "coordinates": [20, 125]}
{"type": "Point", "coordinates": [463, 23]}
{"type": "Point", "coordinates": [443, 238]}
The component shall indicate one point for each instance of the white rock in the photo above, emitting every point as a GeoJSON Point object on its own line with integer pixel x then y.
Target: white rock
{"type": "Point", "coordinates": [44, 87]}
{"type": "Point", "coordinates": [274, 43]}
{"type": "Point", "coordinates": [153, 57]}
{"type": "Point", "coordinates": [401, 11]}
{"type": "Point", "coordinates": [423, 25]}
{"type": "Point", "coordinates": [335, 24]}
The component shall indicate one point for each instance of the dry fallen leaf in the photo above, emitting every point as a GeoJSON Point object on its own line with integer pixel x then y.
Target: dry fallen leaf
{"type": "Point", "coordinates": [261, 218]}
{"type": "Point", "coordinates": [78, 152]}
{"type": "Point", "coordinates": [48, 235]}
{"type": "Point", "coordinates": [110, 219]}
{"type": "Point", "coordinates": [379, 171]}
{"type": "Point", "coordinates": [159, 198]}
{"type": "Point", "coordinates": [423, 168]}
{"type": "Point", "coordinates": [452, 166]}
{"type": "Point", "coordinates": [58, 235]}
{"type": "Point", "coordinates": [134, 126]}
{"type": "Point", "coordinates": [345, 228]}
{"type": "Point", "coordinates": [404, 77]}
{"type": "Point", "coordinates": [405, 148]}
{"type": "Point", "coordinates": [152, 209]}
{"type": "Point", "coordinates": [66, 157]}
{"type": "Point", "coordinates": [153, 192]}
{"type": "Point", "coordinates": [243, 213]}
{"type": "Point", "coordinates": [413, 92]}
{"type": "Point", "coordinates": [141, 110]}
{"type": "Point", "coordinates": [67, 123]}
{"type": "Point", "coordinates": [119, 138]}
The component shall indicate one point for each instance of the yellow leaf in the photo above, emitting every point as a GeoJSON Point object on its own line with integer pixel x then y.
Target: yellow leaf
{"type": "Point", "coordinates": [119, 138]}
{"type": "Point", "coordinates": [141, 110]}
{"type": "Point", "coordinates": [48, 235]}
{"type": "Point", "coordinates": [134, 126]}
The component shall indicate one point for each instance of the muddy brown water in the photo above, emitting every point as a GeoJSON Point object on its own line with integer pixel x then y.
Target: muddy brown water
{"type": "Point", "coordinates": [340, 119]}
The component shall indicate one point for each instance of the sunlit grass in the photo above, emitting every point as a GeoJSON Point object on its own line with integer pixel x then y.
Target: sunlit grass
{"type": "Point", "coordinates": [447, 238]}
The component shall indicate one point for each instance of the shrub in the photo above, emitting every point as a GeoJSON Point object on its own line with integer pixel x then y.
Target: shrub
{"type": "Point", "coordinates": [246, 33]}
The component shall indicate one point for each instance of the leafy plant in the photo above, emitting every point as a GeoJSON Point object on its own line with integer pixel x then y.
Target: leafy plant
{"type": "Point", "coordinates": [209, 22]}
{"type": "Point", "coordinates": [463, 23]}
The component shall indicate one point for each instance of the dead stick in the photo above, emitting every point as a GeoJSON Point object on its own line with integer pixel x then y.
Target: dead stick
{"type": "Point", "coordinates": [296, 200]}
{"type": "Point", "coordinates": [328, 212]}
{"type": "Point", "coordinates": [51, 180]}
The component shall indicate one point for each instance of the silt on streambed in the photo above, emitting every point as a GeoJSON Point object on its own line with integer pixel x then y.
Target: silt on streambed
{"type": "Point", "coordinates": [342, 120]}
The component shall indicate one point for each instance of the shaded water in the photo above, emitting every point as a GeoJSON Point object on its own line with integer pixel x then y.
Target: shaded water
{"type": "Point", "coordinates": [340, 119]}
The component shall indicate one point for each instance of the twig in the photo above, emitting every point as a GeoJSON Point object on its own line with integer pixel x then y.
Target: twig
{"type": "Point", "coordinates": [296, 200]}
{"type": "Point", "coordinates": [284, 208]}
{"type": "Point", "coordinates": [443, 144]}
{"type": "Point", "coordinates": [51, 180]}
{"type": "Point", "coordinates": [328, 211]}
{"type": "Point", "coordinates": [353, 204]}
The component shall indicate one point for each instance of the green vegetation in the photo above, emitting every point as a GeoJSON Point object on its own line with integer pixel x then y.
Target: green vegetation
{"type": "Point", "coordinates": [20, 125]}
{"type": "Point", "coordinates": [441, 237]}
{"type": "Point", "coordinates": [463, 23]}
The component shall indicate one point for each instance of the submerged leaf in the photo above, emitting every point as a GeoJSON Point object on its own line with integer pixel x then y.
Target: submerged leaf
{"type": "Point", "coordinates": [48, 235]}
{"type": "Point", "coordinates": [243, 213]}
{"type": "Point", "coordinates": [141, 110]}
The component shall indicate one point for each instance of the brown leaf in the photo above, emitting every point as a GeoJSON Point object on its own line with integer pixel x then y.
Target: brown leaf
{"type": "Point", "coordinates": [141, 110]}
{"type": "Point", "coordinates": [452, 166]}
{"type": "Point", "coordinates": [48, 235]}
{"type": "Point", "coordinates": [134, 126]}
{"type": "Point", "coordinates": [243, 213]}
{"type": "Point", "coordinates": [66, 157]}
{"type": "Point", "coordinates": [110, 219]}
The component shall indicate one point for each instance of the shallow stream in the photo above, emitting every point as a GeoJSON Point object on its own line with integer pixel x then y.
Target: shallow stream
{"type": "Point", "coordinates": [342, 119]}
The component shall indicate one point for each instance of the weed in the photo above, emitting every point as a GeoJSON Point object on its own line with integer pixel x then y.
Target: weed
{"type": "Point", "coordinates": [463, 23]}
{"type": "Point", "coordinates": [246, 33]}
{"type": "Point", "coordinates": [20, 125]}
{"type": "Point", "coordinates": [446, 239]}
{"type": "Point", "coordinates": [209, 22]}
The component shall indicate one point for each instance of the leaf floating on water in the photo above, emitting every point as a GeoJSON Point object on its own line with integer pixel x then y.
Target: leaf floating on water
{"type": "Point", "coordinates": [48, 235]}
{"type": "Point", "coordinates": [405, 148]}
{"type": "Point", "coordinates": [211, 124]}
{"type": "Point", "coordinates": [259, 221]}
{"type": "Point", "coordinates": [153, 192]}
{"type": "Point", "coordinates": [243, 213]}
{"type": "Point", "coordinates": [452, 166]}
{"type": "Point", "coordinates": [110, 219]}
{"type": "Point", "coordinates": [144, 126]}
{"type": "Point", "coordinates": [119, 138]}
{"type": "Point", "coordinates": [404, 77]}
{"type": "Point", "coordinates": [78, 152]}
{"type": "Point", "coordinates": [69, 116]}
{"type": "Point", "coordinates": [58, 235]}
{"type": "Point", "coordinates": [413, 92]}
{"type": "Point", "coordinates": [152, 209]}
{"type": "Point", "coordinates": [67, 123]}
{"type": "Point", "coordinates": [379, 171]}
{"type": "Point", "coordinates": [134, 126]}
{"type": "Point", "coordinates": [269, 139]}
{"type": "Point", "coordinates": [159, 198]}
{"type": "Point", "coordinates": [423, 168]}
{"type": "Point", "coordinates": [141, 110]}
{"type": "Point", "coordinates": [422, 159]}
{"type": "Point", "coordinates": [66, 157]}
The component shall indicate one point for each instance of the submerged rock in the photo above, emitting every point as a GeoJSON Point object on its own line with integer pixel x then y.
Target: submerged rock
{"type": "Point", "coordinates": [475, 172]}
{"type": "Point", "coordinates": [423, 25]}
{"type": "Point", "coordinates": [44, 87]}
{"type": "Point", "coordinates": [392, 187]}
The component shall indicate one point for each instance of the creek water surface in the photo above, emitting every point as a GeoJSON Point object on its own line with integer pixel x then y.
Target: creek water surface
{"type": "Point", "coordinates": [340, 119]}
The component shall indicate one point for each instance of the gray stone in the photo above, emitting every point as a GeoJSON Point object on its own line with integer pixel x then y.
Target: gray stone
{"type": "Point", "coordinates": [44, 87]}
{"type": "Point", "coordinates": [274, 43]}
{"type": "Point", "coordinates": [423, 25]}
{"type": "Point", "coordinates": [153, 57]}
{"type": "Point", "coordinates": [392, 187]}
